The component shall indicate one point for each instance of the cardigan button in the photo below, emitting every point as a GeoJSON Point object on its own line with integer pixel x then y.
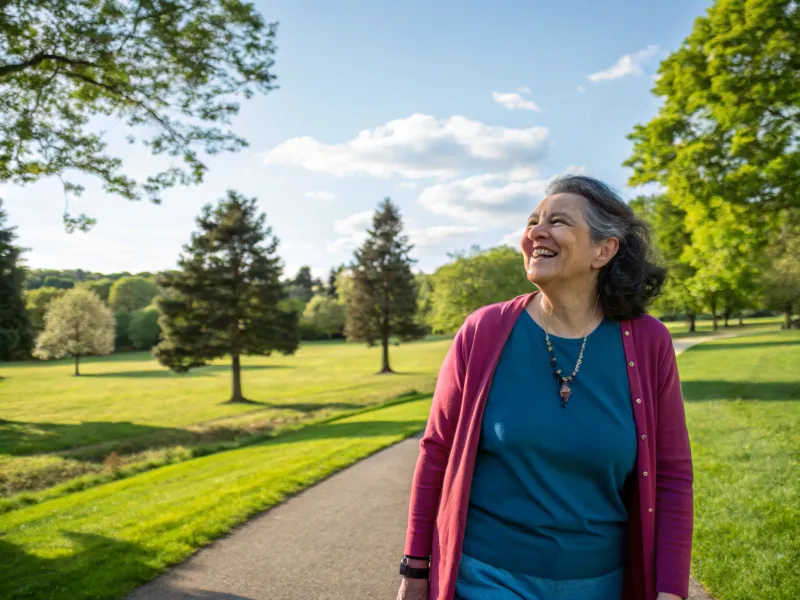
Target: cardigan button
{"type": "Point", "coordinates": [645, 473]}
{"type": "Point", "coordinates": [627, 332]}
{"type": "Point", "coordinates": [643, 436]}
{"type": "Point", "coordinates": [630, 364]}
{"type": "Point", "coordinates": [638, 401]}
{"type": "Point", "coordinates": [649, 510]}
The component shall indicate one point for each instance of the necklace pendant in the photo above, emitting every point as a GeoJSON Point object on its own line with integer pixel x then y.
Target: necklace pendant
{"type": "Point", "coordinates": [565, 394]}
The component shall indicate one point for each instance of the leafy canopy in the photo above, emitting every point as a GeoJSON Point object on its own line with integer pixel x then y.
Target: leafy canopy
{"type": "Point", "coordinates": [175, 69]}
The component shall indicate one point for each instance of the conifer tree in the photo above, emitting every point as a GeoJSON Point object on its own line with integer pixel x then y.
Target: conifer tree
{"type": "Point", "coordinates": [16, 331]}
{"type": "Point", "coordinates": [226, 298]}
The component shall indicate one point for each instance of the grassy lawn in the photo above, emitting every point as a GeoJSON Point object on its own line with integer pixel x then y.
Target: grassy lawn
{"type": "Point", "coordinates": [679, 329]}
{"type": "Point", "coordinates": [55, 427]}
{"type": "Point", "coordinates": [743, 409]}
{"type": "Point", "coordinates": [100, 543]}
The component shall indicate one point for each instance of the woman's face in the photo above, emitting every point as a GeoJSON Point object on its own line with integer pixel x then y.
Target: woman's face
{"type": "Point", "coordinates": [557, 245]}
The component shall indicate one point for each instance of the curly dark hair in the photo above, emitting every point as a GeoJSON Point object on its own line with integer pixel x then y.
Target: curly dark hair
{"type": "Point", "coordinates": [631, 279]}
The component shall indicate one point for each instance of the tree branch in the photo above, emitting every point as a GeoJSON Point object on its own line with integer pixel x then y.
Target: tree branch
{"type": "Point", "coordinates": [38, 59]}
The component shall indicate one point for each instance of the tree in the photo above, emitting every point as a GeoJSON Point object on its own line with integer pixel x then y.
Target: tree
{"type": "Point", "coordinates": [16, 331]}
{"type": "Point", "coordinates": [132, 293]}
{"type": "Point", "coordinates": [383, 299]}
{"type": "Point", "coordinates": [143, 329]}
{"type": "Point", "coordinates": [673, 248]}
{"type": "Point", "coordinates": [781, 281]}
{"type": "Point", "coordinates": [173, 68]}
{"type": "Point", "coordinates": [37, 301]}
{"type": "Point", "coordinates": [472, 280]}
{"type": "Point", "coordinates": [227, 297]}
{"type": "Point", "coordinates": [332, 276]}
{"type": "Point", "coordinates": [728, 126]}
{"type": "Point", "coordinates": [77, 324]}
{"type": "Point", "coordinates": [325, 316]}
{"type": "Point", "coordinates": [101, 287]}
{"type": "Point", "coordinates": [304, 285]}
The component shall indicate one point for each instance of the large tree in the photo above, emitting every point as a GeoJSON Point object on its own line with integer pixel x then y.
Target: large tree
{"type": "Point", "coordinates": [382, 302]}
{"type": "Point", "coordinates": [173, 69]}
{"type": "Point", "coordinates": [781, 280]}
{"type": "Point", "coordinates": [132, 293]}
{"type": "Point", "coordinates": [76, 324]}
{"type": "Point", "coordinates": [729, 124]}
{"type": "Point", "coordinates": [16, 332]}
{"type": "Point", "coordinates": [226, 298]}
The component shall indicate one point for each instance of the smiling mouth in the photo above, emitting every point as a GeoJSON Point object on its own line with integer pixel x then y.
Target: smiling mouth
{"type": "Point", "coordinates": [542, 253]}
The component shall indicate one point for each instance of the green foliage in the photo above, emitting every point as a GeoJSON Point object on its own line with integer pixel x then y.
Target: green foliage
{"type": "Point", "coordinates": [227, 296]}
{"type": "Point", "coordinates": [132, 293]}
{"type": "Point", "coordinates": [122, 321]}
{"type": "Point", "coordinates": [77, 324]}
{"type": "Point", "coordinates": [383, 299]}
{"type": "Point", "coordinates": [143, 329]}
{"type": "Point", "coordinates": [728, 126]}
{"type": "Point", "coordinates": [68, 278]}
{"type": "Point", "coordinates": [474, 280]}
{"type": "Point", "coordinates": [37, 301]}
{"type": "Point", "coordinates": [323, 317]}
{"type": "Point", "coordinates": [101, 287]}
{"type": "Point", "coordinates": [16, 331]}
{"type": "Point", "coordinates": [172, 68]}
{"type": "Point", "coordinates": [304, 285]}
{"type": "Point", "coordinates": [780, 282]}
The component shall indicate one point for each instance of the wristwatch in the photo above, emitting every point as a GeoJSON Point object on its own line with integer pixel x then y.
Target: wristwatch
{"type": "Point", "coordinates": [411, 572]}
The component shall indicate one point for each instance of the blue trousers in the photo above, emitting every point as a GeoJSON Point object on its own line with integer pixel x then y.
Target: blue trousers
{"type": "Point", "coordinates": [479, 581]}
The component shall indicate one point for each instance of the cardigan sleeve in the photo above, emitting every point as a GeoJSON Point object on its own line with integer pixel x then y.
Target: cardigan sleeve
{"type": "Point", "coordinates": [435, 447]}
{"type": "Point", "coordinates": [674, 497]}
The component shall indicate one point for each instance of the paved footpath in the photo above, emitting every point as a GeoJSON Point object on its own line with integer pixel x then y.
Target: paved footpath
{"type": "Point", "coordinates": [338, 540]}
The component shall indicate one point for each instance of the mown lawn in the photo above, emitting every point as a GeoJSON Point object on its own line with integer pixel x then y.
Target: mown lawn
{"type": "Point", "coordinates": [100, 543]}
{"type": "Point", "coordinates": [56, 428]}
{"type": "Point", "coordinates": [743, 410]}
{"type": "Point", "coordinates": [679, 329]}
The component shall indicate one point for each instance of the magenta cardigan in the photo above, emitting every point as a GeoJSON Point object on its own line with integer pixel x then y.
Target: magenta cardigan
{"type": "Point", "coordinates": [659, 499]}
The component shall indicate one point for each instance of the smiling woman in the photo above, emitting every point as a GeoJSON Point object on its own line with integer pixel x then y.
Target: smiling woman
{"type": "Point", "coordinates": [515, 497]}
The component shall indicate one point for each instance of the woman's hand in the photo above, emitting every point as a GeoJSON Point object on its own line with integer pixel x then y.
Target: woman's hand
{"type": "Point", "coordinates": [665, 596]}
{"type": "Point", "coordinates": [413, 589]}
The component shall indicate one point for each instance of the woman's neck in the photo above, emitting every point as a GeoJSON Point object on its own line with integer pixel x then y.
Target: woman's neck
{"type": "Point", "coordinates": [568, 312]}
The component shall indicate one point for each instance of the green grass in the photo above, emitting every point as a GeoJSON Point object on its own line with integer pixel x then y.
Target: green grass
{"type": "Point", "coordinates": [743, 410]}
{"type": "Point", "coordinates": [58, 429]}
{"type": "Point", "coordinates": [679, 329]}
{"type": "Point", "coordinates": [100, 543]}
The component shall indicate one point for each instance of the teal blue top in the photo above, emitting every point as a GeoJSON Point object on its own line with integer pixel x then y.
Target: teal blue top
{"type": "Point", "coordinates": [546, 496]}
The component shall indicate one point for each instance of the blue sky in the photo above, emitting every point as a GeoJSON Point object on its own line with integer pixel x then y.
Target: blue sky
{"type": "Point", "coordinates": [459, 111]}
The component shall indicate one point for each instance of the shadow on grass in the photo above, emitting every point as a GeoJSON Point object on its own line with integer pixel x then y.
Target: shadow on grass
{"type": "Point", "coordinates": [21, 437]}
{"type": "Point", "coordinates": [199, 372]}
{"type": "Point", "coordinates": [745, 345]}
{"type": "Point", "coordinates": [694, 391]}
{"type": "Point", "coordinates": [101, 568]}
{"type": "Point", "coordinates": [338, 429]}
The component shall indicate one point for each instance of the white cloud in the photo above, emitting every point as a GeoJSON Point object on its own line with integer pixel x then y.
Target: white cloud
{"type": "Point", "coordinates": [490, 200]}
{"type": "Point", "coordinates": [581, 89]}
{"type": "Point", "coordinates": [512, 239]}
{"type": "Point", "coordinates": [432, 236]}
{"type": "Point", "coordinates": [321, 195]}
{"type": "Point", "coordinates": [418, 146]}
{"type": "Point", "coordinates": [352, 231]}
{"type": "Point", "coordinates": [512, 101]}
{"type": "Point", "coordinates": [407, 185]}
{"type": "Point", "coordinates": [629, 64]}
{"type": "Point", "coordinates": [524, 90]}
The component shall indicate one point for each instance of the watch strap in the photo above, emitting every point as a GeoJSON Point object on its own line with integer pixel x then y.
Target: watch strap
{"type": "Point", "coordinates": [412, 572]}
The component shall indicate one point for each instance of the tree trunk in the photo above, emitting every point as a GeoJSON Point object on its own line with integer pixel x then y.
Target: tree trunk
{"type": "Point", "coordinates": [77, 372]}
{"type": "Point", "coordinates": [787, 317]}
{"type": "Point", "coordinates": [691, 321]}
{"type": "Point", "coordinates": [714, 323]}
{"type": "Point", "coordinates": [236, 395]}
{"type": "Point", "coordinates": [741, 321]}
{"type": "Point", "coordinates": [727, 316]}
{"type": "Point", "coordinates": [385, 368]}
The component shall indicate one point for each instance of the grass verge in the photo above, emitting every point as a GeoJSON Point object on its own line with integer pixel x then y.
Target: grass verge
{"type": "Point", "coordinates": [100, 543]}
{"type": "Point", "coordinates": [743, 410]}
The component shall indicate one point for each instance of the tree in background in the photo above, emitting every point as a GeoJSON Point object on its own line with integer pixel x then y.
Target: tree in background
{"type": "Point", "coordinates": [143, 328]}
{"type": "Point", "coordinates": [101, 287]}
{"type": "Point", "coordinates": [472, 280]}
{"type": "Point", "coordinates": [37, 301]}
{"type": "Point", "coordinates": [781, 280]}
{"type": "Point", "coordinates": [323, 317]}
{"type": "Point", "coordinates": [383, 300]}
{"type": "Point", "coordinates": [122, 321]}
{"type": "Point", "coordinates": [424, 300]}
{"type": "Point", "coordinates": [77, 324]}
{"type": "Point", "coordinates": [227, 297]}
{"type": "Point", "coordinates": [132, 293]}
{"type": "Point", "coordinates": [673, 248]}
{"type": "Point", "coordinates": [16, 331]}
{"type": "Point", "coordinates": [176, 67]}
{"type": "Point", "coordinates": [304, 285]}
{"type": "Point", "coordinates": [330, 289]}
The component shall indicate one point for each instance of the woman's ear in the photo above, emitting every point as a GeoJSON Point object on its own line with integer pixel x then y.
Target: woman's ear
{"type": "Point", "coordinates": [606, 250]}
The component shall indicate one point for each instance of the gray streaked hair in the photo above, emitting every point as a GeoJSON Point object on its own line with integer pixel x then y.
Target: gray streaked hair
{"type": "Point", "coordinates": [631, 279]}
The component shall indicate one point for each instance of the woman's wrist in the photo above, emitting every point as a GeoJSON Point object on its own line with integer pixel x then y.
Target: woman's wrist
{"type": "Point", "coordinates": [417, 563]}
{"type": "Point", "coordinates": [666, 596]}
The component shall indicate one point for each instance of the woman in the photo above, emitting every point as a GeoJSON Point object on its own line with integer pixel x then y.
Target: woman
{"type": "Point", "coordinates": [556, 462]}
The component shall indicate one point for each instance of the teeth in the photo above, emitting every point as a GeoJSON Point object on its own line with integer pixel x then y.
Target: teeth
{"type": "Point", "coordinates": [542, 252]}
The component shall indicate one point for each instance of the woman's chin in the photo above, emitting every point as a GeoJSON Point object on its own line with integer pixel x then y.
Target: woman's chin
{"type": "Point", "coordinates": [539, 277]}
